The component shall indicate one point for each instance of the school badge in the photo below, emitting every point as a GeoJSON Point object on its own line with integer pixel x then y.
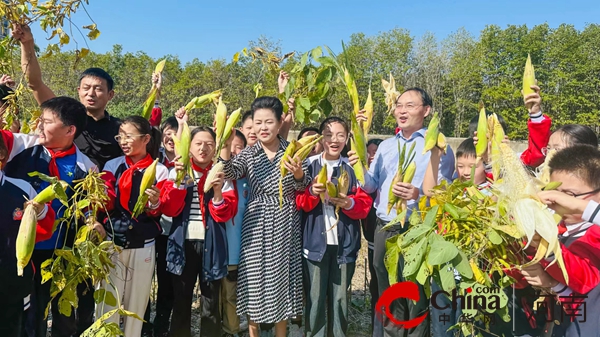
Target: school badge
{"type": "Point", "coordinates": [17, 214]}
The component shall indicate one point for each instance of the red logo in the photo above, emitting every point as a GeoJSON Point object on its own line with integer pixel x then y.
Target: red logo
{"type": "Point", "coordinates": [17, 214]}
{"type": "Point", "coordinates": [408, 290]}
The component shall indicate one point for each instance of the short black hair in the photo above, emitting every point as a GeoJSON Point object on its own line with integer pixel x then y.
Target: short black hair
{"type": "Point", "coordinates": [331, 120]}
{"type": "Point", "coordinates": [169, 123]}
{"type": "Point", "coordinates": [466, 149]}
{"type": "Point", "coordinates": [98, 73]}
{"type": "Point", "coordinates": [581, 160]}
{"type": "Point", "coordinates": [375, 141]}
{"type": "Point", "coordinates": [69, 111]}
{"type": "Point", "coordinates": [241, 136]}
{"type": "Point", "coordinates": [270, 103]}
{"type": "Point", "coordinates": [247, 114]}
{"type": "Point", "coordinates": [475, 120]}
{"type": "Point", "coordinates": [574, 134]}
{"type": "Point", "coordinates": [307, 129]}
{"type": "Point", "coordinates": [425, 98]}
{"type": "Point", "coordinates": [199, 129]}
{"type": "Point", "coordinates": [145, 128]}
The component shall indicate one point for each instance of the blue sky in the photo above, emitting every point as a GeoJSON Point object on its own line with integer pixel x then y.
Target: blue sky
{"type": "Point", "coordinates": [217, 29]}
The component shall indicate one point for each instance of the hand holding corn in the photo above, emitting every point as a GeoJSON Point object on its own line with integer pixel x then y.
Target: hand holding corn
{"type": "Point", "coordinates": [295, 167]}
{"type": "Point", "coordinates": [533, 101]}
{"type": "Point", "coordinates": [217, 186]}
{"type": "Point", "coordinates": [39, 207]}
{"type": "Point", "coordinates": [342, 201]}
{"type": "Point", "coordinates": [318, 188]}
{"type": "Point", "coordinates": [153, 194]}
{"type": "Point", "coordinates": [157, 80]}
{"type": "Point", "coordinates": [181, 116]}
{"type": "Point", "coordinates": [563, 203]}
{"type": "Point", "coordinates": [405, 191]}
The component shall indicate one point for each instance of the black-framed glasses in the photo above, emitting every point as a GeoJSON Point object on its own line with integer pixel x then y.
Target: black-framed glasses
{"type": "Point", "coordinates": [582, 194]}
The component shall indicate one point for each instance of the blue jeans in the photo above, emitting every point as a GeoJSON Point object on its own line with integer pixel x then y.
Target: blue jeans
{"type": "Point", "coordinates": [328, 283]}
{"type": "Point", "coordinates": [443, 319]}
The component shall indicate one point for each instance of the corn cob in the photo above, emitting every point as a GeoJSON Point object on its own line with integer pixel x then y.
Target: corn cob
{"type": "Point", "coordinates": [289, 152]}
{"type": "Point", "coordinates": [442, 144]}
{"type": "Point", "coordinates": [149, 103]}
{"type": "Point", "coordinates": [361, 144]}
{"type": "Point", "coordinates": [482, 131]}
{"type": "Point", "coordinates": [332, 191]}
{"type": "Point", "coordinates": [217, 168]}
{"type": "Point", "coordinates": [404, 162]}
{"type": "Point", "coordinates": [201, 101]}
{"type": "Point", "coordinates": [182, 148]}
{"type": "Point", "coordinates": [307, 139]}
{"type": "Point", "coordinates": [303, 152]}
{"type": "Point", "coordinates": [359, 169]}
{"type": "Point", "coordinates": [147, 182]}
{"type": "Point", "coordinates": [391, 94]}
{"type": "Point", "coordinates": [528, 77]}
{"type": "Point", "coordinates": [343, 185]}
{"type": "Point", "coordinates": [233, 119]}
{"type": "Point", "coordinates": [220, 119]}
{"type": "Point", "coordinates": [369, 113]}
{"type": "Point", "coordinates": [322, 179]}
{"type": "Point", "coordinates": [26, 237]}
{"type": "Point", "coordinates": [352, 90]}
{"type": "Point", "coordinates": [433, 130]}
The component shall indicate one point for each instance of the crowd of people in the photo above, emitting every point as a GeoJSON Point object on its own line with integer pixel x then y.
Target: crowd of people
{"type": "Point", "coordinates": [253, 258]}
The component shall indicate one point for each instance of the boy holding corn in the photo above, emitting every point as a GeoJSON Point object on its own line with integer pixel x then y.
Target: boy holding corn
{"type": "Point", "coordinates": [15, 290]}
{"type": "Point", "coordinates": [53, 153]}
{"type": "Point", "coordinates": [411, 108]}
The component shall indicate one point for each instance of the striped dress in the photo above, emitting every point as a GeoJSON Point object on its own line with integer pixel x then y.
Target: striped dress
{"type": "Point", "coordinates": [270, 269]}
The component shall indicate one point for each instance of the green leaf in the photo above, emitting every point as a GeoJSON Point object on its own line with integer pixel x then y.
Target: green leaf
{"type": "Point", "coordinates": [444, 251]}
{"type": "Point", "coordinates": [494, 237]}
{"type": "Point", "coordinates": [316, 52]}
{"type": "Point", "coordinates": [314, 116]}
{"type": "Point", "coordinates": [103, 295]}
{"type": "Point", "coordinates": [124, 312]}
{"type": "Point", "coordinates": [452, 210]}
{"type": "Point", "coordinates": [413, 257]}
{"type": "Point", "coordinates": [325, 107]}
{"type": "Point", "coordinates": [414, 218]}
{"type": "Point", "coordinates": [413, 234]}
{"type": "Point", "coordinates": [304, 102]}
{"type": "Point", "coordinates": [423, 274]}
{"type": "Point", "coordinates": [300, 114]}
{"type": "Point", "coordinates": [446, 273]}
{"type": "Point", "coordinates": [429, 221]}
{"type": "Point", "coordinates": [461, 263]}
{"type": "Point", "coordinates": [395, 221]}
{"type": "Point", "coordinates": [303, 61]}
{"type": "Point", "coordinates": [64, 307]}
{"type": "Point", "coordinates": [392, 255]}
{"type": "Point", "coordinates": [67, 254]}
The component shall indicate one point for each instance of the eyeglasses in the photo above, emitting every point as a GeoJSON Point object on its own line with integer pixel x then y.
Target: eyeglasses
{"type": "Point", "coordinates": [547, 149]}
{"type": "Point", "coordinates": [127, 138]}
{"type": "Point", "coordinates": [581, 194]}
{"type": "Point", "coordinates": [408, 107]}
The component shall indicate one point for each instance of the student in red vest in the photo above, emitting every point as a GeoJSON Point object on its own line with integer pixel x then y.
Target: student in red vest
{"type": "Point", "coordinates": [123, 175]}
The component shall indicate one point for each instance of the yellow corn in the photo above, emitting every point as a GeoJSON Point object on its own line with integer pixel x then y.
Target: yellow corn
{"type": "Point", "coordinates": [233, 119]}
{"type": "Point", "coordinates": [303, 152]}
{"type": "Point", "coordinates": [352, 90]}
{"type": "Point", "coordinates": [147, 182]}
{"type": "Point", "coordinates": [482, 131]}
{"type": "Point", "coordinates": [182, 148]}
{"type": "Point", "coordinates": [201, 101]}
{"type": "Point", "coordinates": [26, 238]}
{"type": "Point", "coordinates": [289, 153]}
{"type": "Point", "coordinates": [217, 168]}
{"type": "Point", "coordinates": [359, 169]}
{"type": "Point", "coordinates": [368, 112]}
{"type": "Point", "coordinates": [391, 94]}
{"type": "Point", "coordinates": [528, 77]}
{"type": "Point", "coordinates": [191, 104]}
{"type": "Point", "coordinates": [149, 103]}
{"type": "Point", "coordinates": [332, 191]}
{"type": "Point", "coordinates": [433, 130]}
{"type": "Point", "coordinates": [322, 179]}
{"type": "Point", "coordinates": [306, 140]}
{"type": "Point", "coordinates": [361, 143]}
{"type": "Point", "coordinates": [392, 198]}
{"type": "Point", "coordinates": [220, 119]}
{"type": "Point", "coordinates": [410, 173]}
{"type": "Point", "coordinates": [442, 143]}
{"type": "Point", "coordinates": [343, 183]}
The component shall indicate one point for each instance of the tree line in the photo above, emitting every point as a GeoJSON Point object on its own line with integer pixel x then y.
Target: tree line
{"type": "Point", "coordinates": [458, 72]}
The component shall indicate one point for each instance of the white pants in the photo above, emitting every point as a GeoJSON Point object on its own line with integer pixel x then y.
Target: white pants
{"type": "Point", "coordinates": [132, 278]}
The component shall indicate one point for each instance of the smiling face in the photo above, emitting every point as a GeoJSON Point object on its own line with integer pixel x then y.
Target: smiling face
{"type": "Point", "coordinates": [573, 185]}
{"type": "Point", "coordinates": [237, 145]}
{"type": "Point", "coordinates": [53, 133]}
{"type": "Point", "coordinates": [202, 148]}
{"type": "Point", "coordinates": [167, 140]}
{"type": "Point", "coordinates": [410, 112]}
{"type": "Point", "coordinates": [266, 125]}
{"type": "Point", "coordinates": [131, 141]}
{"type": "Point", "coordinates": [334, 138]}
{"type": "Point", "coordinates": [248, 131]}
{"type": "Point", "coordinates": [464, 165]}
{"type": "Point", "coordinates": [94, 94]}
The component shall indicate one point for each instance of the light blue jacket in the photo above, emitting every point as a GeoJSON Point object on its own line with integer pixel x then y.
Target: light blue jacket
{"type": "Point", "coordinates": [234, 226]}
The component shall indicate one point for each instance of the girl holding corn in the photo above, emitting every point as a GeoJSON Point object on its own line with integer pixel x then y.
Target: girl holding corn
{"type": "Point", "coordinates": [197, 244]}
{"type": "Point", "coordinates": [270, 267]}
{"type": "Point", "coordinates": [126, 178]}
{"type": "Point", "coordinates": [331, 237]}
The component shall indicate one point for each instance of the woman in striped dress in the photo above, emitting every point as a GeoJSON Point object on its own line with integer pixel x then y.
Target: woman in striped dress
{"type": "Point", "coordinates": [270, 268]}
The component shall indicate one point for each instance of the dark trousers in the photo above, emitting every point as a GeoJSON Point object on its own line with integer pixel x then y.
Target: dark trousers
{"type": "Point", "coordinates": [164, 296]}
{"type": "Point", "coordinates": [328, 288]}
{"type": "Point", "coordinates": [62, 326]}
{"type": "Point", "coordinates": [11, 316]}
{"type": "Point", "coordinates": [183, 290]}
{"type": "Point", "coordinates": [401, 309]}
{"type": "Point", "coordinates": [376, 324]}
